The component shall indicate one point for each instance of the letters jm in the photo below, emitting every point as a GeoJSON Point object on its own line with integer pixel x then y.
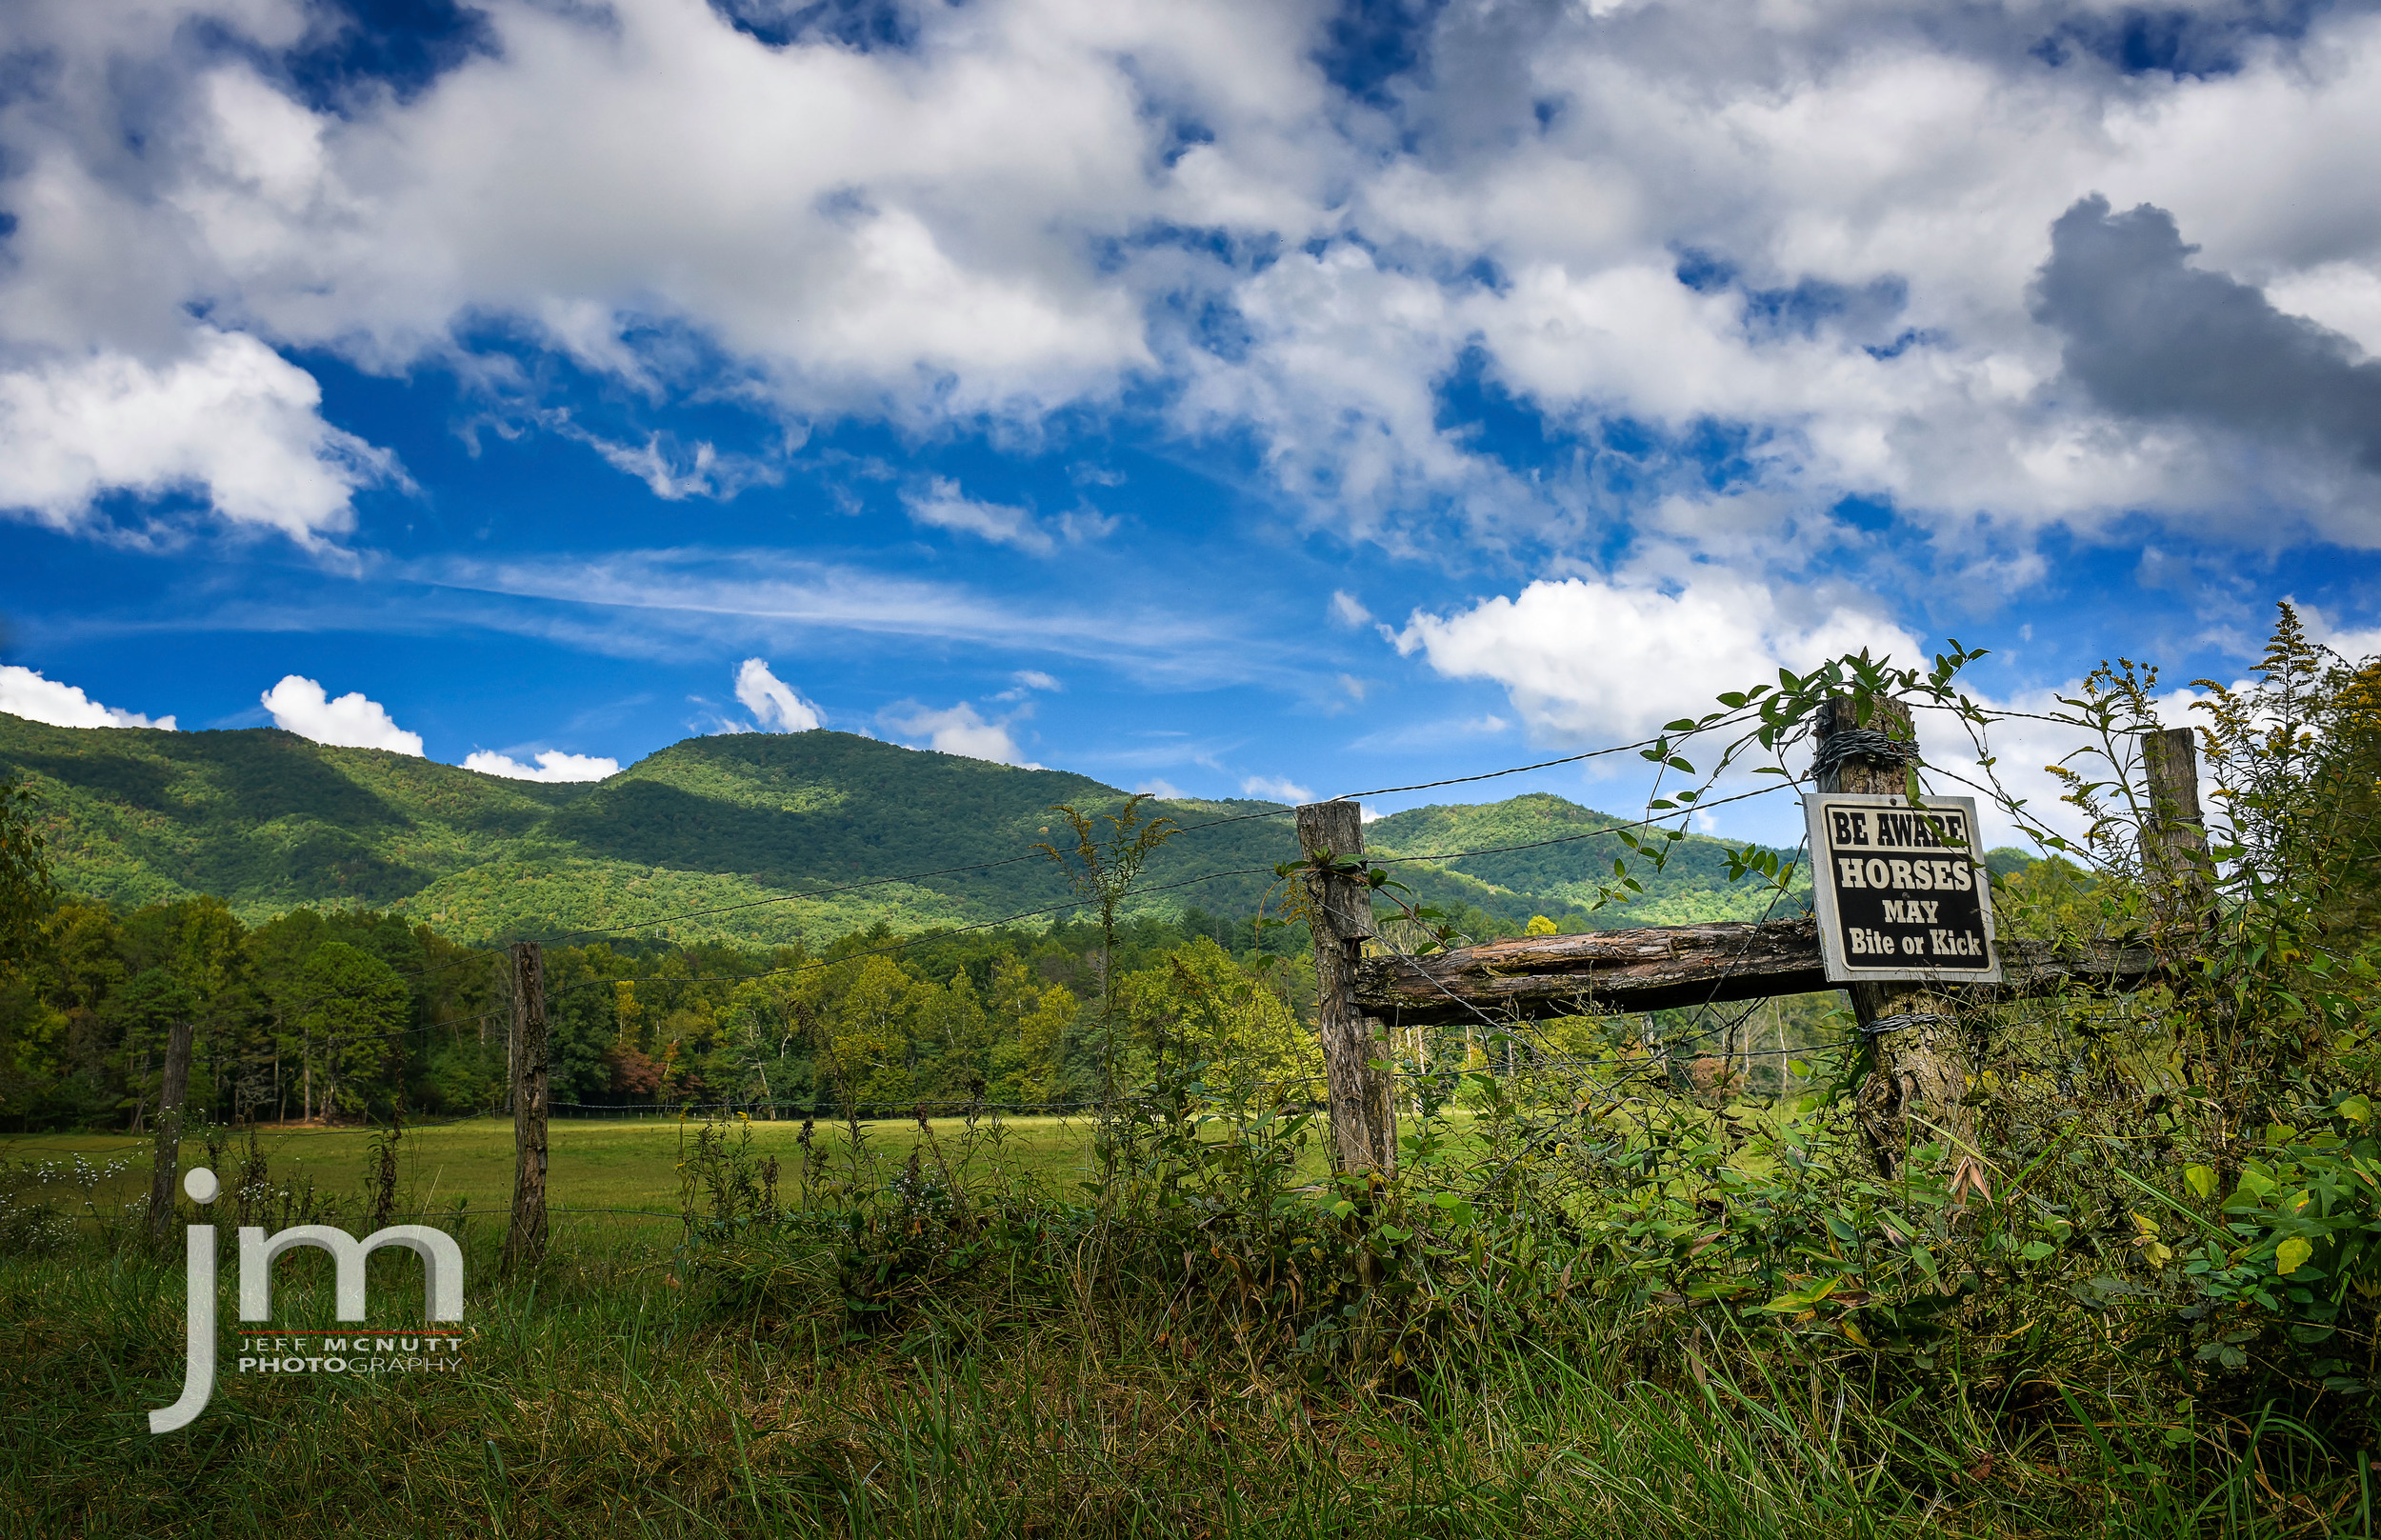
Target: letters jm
{"type": "Point", "coordinates": [442, 1263]}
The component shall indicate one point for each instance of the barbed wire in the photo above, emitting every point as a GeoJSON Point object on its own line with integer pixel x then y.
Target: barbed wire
{"type": "Point", "coordinates": [817, 1110]}
{"type": "Point", "coordinates": [1668, 1046]}
{"type": "Point", "coordinates": [1490, 775]}
{"type": "Point", "coordinates": [1568, 839]}
{"type": "Point", "coordinates": [1719, 721]}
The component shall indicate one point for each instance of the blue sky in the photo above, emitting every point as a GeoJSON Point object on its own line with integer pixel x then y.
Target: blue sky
{"type": "Point", "coordinates": [1229, 398]}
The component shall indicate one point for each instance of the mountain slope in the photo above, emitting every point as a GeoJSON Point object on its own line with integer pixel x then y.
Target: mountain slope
{"type": "Point", "coordinates": [1692, 885]}
{"type": "Point", "coordinates": [788, 824]}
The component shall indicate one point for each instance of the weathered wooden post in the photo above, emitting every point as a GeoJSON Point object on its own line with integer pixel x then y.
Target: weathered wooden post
{"type": "Point", "coordinates": [1917, 1049]}
{"type": "Point", "coordinates": [525, 1243]}
{"type": "Point", "coordinates": [165, 1160]}
{"type": "Point", "coordinates": [2175, 864]}
{"type": "Point", "coordinates": [1364, 1119]}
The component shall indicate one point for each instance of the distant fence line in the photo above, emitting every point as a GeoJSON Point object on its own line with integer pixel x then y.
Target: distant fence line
{"type": "Point", "coordinates": [782, 1111]}
{"type": "Point", "coordinates": [811, 1111]}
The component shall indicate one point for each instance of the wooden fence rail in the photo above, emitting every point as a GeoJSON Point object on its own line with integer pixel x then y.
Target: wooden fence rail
{"type": "Point", "coordinates": [1917, 1046]}
{"type": "Point", "coordinates": [1656, 968]}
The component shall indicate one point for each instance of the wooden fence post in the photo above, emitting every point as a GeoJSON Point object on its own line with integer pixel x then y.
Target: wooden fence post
{"type": "Point", "coordinates": [1364, 1117]}
{"type": "Point", "coordinates": [1918, 1051]}
{"type": "Point", "coordinates": [166, 1159]}
{"type": "Point", "coordinates": [525, 1243]}
{"type": "Point", "coordinates": [2175, 864]}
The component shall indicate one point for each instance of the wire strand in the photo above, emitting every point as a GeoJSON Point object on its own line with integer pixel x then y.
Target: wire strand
{"type": "Point", "coordinates": [1490, 775]}
{"type": "Point", "coordinates": [1568, 839]}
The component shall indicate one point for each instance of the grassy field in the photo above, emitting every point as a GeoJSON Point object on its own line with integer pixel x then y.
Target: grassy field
{"type": "Point", "coordinates": [618, 1391]}
{"type": "Point", "coordinates": [597, 1400]}
{"type": "Point", "coordinates": [604, 1175]}
{"type": "Point", "coordinates": [595, 1405]}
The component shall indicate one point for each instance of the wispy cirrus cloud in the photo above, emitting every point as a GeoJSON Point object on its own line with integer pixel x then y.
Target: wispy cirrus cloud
{"type": "Point", "coordinates": [720, 595]}
{"type": "Point", "coordinates": [1275, 789]}
{"type": "Point", "coordinates": [941, 505]}
{"type": "Point", "coordinates": [674, 471]}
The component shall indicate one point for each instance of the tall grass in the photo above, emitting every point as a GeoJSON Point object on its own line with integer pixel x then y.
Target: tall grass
{"type": "Point", "coordinates": [628, 1392]}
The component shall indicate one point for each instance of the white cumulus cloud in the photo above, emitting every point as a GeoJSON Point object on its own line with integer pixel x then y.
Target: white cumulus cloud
{"type": "Point", "coordinates": [301, 705]}
{"type": "Point", "coordinates": [2353, 645]}
{"type": "Point", "coordinates": [26, 693]}
{"type": "Point", "coordinates": [1812, 225]}
{"type": "Point", "coordinates": [772, 702]}
{"type": "Point", "coordinates": [1275, 789]}
{"type": "Point", "coordinates": [1592, 662]}
{"type": "Point", "coordinates": [552, 764]}
{"type": "Point", "coordinates": [230, 421]}
{"type": "Point", "coordinates": [959, 729]}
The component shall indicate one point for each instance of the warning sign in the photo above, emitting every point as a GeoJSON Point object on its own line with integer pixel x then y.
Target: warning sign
{"type": "Point", "coordinates": [1902, 892]}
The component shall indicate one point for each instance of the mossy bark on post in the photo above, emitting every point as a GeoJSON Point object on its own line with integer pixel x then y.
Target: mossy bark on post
{"type": "Point", "coordinates": [525, 1240]}
{"type": "Point", "coordinates": [2175, 864]}
{"type": "Point", "coordinates": [1918, 1052]}
{"type": "Point", "coordinates": [1363, 1115]}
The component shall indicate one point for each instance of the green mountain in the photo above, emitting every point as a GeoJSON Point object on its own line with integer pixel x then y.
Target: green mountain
{"type": "Point", "coordinates": [797, 836]}
{"type": "Point", "coordinates": [1691, 886]}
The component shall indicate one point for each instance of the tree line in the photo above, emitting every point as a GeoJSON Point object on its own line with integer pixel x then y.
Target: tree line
{"type": "Point", "coordinates": [346, 1016]}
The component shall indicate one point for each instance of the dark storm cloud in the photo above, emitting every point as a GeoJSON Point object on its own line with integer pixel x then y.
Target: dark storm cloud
{"type": "Point", "coordinates": [2151, 337]}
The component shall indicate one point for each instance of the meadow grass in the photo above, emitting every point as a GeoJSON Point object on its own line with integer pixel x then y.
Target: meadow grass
{"type": "Point", "coordinates": [595, 1402]}
{"type": "Point", "coordinates": [608, 1393]}
{"type": "Point", "coordinates": [598, 1168]}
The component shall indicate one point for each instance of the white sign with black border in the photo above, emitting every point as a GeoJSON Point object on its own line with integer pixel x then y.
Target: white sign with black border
{"type": "Point", "coordinates": [1902, 892]}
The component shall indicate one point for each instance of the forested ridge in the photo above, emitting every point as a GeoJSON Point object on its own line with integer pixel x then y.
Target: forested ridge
{"type": "Point", "coordinates": [784, 824]}
{"type": "Point", "coordinates": [322, 917]}
{"type": "Point", "coordinates": [349, 1016]}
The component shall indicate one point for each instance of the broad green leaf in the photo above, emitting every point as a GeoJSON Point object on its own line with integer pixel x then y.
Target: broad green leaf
{"type": "Point", "coordinates": [2200, 1179]}
{"type": "Point", "coordinates": [2292, 1255]}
